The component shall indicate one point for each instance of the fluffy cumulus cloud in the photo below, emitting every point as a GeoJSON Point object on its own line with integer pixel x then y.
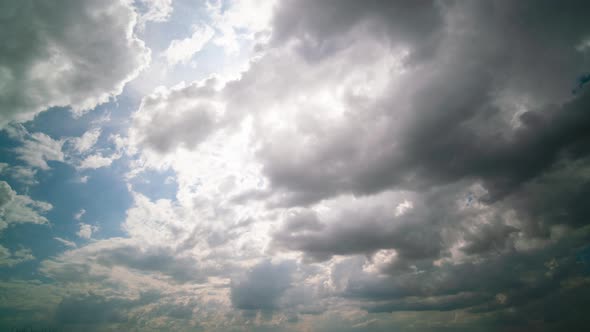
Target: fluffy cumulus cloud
{"type": "Point", "coordinates": [66, 53]}
{"type": "Point", "coordinates": [86, 231]}
{"type": "Point", "coordinates": [15, 208]}
{"type": "Point", "coordinates": [378, 166]}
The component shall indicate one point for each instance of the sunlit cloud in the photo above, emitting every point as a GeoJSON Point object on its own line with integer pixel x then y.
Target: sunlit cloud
{"type": "Point", "coordinates": [297, 165]}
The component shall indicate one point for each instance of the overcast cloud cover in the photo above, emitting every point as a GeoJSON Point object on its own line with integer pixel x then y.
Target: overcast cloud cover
{"type": "Point", "coordinates": [294, 165]}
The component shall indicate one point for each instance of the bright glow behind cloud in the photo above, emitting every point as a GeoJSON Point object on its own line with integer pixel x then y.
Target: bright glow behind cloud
{"type": "Point", "coordinates": [296, 165]}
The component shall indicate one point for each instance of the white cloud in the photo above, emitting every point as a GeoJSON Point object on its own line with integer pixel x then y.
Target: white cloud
{"type": "Point", "coordinates": [65, 242]}
{"type": "Point", "coordinates": [403, 207]}
{"type": "Point", "coordinates": [182, 51]}
{"type": "Point", "coordinates": [86, 141]}
{"type": "Point", "coordinates": [81, 64]}
{"type": "Point", "coordinates": [318, 153]}
{"type": "Point", "coordinates": [97, 161]}
{"type": "Point", "coordinates": [86, 230]}
{"type": "Point", "coordinates": [38, 148]}
{"type": "Point", "coordinates": [23, 174]}
{"type": "Point", "coordinates": [79, 214]}
{"type": "Point", "coordinates": [104, 118]}
{"type": "Point", "coordinates": [243, 20]}
{"type": "Point", "coordinates": [154, 11]}
{"type": "Point", "coordinates": [8, 258]}
{"type": "Point", "coordinates": [16, 208]}
{"type": "Point", "coordinates": [166, 120]}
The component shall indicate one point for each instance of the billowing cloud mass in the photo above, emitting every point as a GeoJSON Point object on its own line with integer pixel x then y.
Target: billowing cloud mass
{"type": "Point", "coordinates": [378, 166]}
{"type": "Point", "coordinates": [74, 54]}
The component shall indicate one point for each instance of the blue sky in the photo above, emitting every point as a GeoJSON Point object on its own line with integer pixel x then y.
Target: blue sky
{"type": "Point", "coordinates": [257, 165]}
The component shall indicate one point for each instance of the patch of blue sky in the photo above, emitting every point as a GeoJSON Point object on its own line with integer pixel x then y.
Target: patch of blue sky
{"type": "Point", "coordinates": [57, 122]}
{"type": "Point", "coordinates": [211, 59]}
{"type": "Point", "coordinates": [104, 196]}
{"type": "Point", "coordinates": [186, 14]}
{"type": "Point", "coordinates": [208, 61]}
{"type": "Point", "coordinates": [156, 184]}
{"type": "Point", "coordinates": [112, 117]}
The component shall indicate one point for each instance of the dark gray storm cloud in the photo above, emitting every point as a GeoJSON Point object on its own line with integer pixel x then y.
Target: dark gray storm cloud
{"type": "Point", "coordinates": [152, 260]}
{"type": "Point", "coordinates": [487, 98]}
{"type": "Point", "coordinates": [358, 228]}
{"type": "Point", "coordinates": [447, 122]}
{"type": "Point", "coordinates": [261, 287]}
{"type": "Point", "coordinates": [322, 28]}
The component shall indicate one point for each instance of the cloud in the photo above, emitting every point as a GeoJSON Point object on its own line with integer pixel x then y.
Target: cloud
{"type": "Point", "coordinates": [384, 165]}
{"type": "Point", "coordinates": [125, 262]}
{"type": "Point", "coordinates": [182, 51]}
{"type": "Point", "coordinates": [65, 242]}
{"type": "Point", "coordinates": [262, 286]}
{"type": "Point", "coordinates": [157, 260]}
{"type": "Point", "coordinates": [321, 29]}
{"type": "Point", "coordinates": [492, 285]}
{"type": "Point", "coordinates": [86, 231]}
{"type": "Point", "coordinates": [154, 11]}
{"type": "Point", "coordinates": [8, 258]}
{"type": "Point", "coordinates": [38, 148]}
{"type": "Point", "coordinates": [22, 174]}
{"type": "Point", "coordinates": [27, 297]}
{"type": "Point", "coordinates": [410, 150]}
{"type": "Point", "coordinates": [319, 165]}
{"type": "Point", "coordinates": [90, 309]}
{"type": "Point", "coordinates": [85, 142]}
{"type": "Point", "coordinates": [16, 208]}
{"type": "Point", "coordinates": [241, 21]}
{"type": "Point", "coordinates": [488, 237]}
{"type": "Point", "coordinates": [97, 161]}
{"type": "Point", "coordinates": [153, 250]}
{"type": "Point", "coordinates": [178, 117]}
{"type": "Point", "coordinates": [69, 54]}
{"type": "Point", "coordinates": [80, 214]}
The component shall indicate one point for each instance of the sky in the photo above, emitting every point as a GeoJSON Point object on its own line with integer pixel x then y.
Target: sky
{"type": "Point", "coordinates": [294, 165]}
